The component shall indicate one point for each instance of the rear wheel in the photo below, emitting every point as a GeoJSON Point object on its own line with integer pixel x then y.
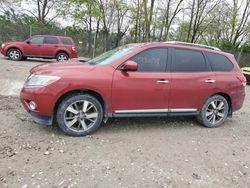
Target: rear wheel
{"type": "Point", "coordinates": [15, 54]}
{"type": "Point", "coordinates": [214, 112]}
{"type": "Point", "coordinates": [79, 115]}
{"type": "Point", "coordinates": [62, 56]}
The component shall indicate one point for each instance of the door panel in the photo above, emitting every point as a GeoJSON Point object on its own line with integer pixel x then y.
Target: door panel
{"type": "Point", "coordinates": [192, 80]}
{"type": "Point", "coordinates": [190, 90]}
{"type": "Point", "coordinates": [49, 46]}
{"type": "Point", "coordinates": [138, 90]}
{"type": "Point", "coordinates": [144, 89]}
{"type": "Point", "coordinates": [33, 48]}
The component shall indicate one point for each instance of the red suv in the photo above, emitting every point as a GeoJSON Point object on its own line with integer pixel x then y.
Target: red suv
{"type": "Point", "coordinates": [136, 80]}
{"type": "Point", "coordinates": [60, 48]}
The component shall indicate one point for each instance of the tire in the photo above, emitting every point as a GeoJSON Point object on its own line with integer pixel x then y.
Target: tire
{"type": "Point", "coordinates": [24, 58]}
{"type": "Point", "coordinates": [79, 115]}
{"type": "Point", "coordinates": [214, 112]}
{"type": "Point", "coordinates": [62, 56]}
{"type": "Point", "coordinates": [15, 54]}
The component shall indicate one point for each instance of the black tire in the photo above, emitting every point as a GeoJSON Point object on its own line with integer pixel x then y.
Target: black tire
{"type": "Point", "coordinates": [208, 113]}
{"type": "Point", "coordinates": [61, 56]}
{"type": "Point", "coordinates": [15, 54]}
{"type": "Point", "coordinates": [77, 129]}
{"type": "Point", "coordinates": [24, 58]}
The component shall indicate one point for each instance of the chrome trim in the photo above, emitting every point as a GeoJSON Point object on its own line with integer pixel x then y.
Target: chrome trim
{"type": "Point", "coordinates": [193, 44]}
{"type": "Point", "coordinates": [162, 81]}
{"type": "Point", "coordinates": [183, 110]}
{"type": "Point", "coordinates": [142, 111]}
{"type": "Point", "coordinates": [157, 110]}
{"type": "Point", "coordinates": [209, 81]}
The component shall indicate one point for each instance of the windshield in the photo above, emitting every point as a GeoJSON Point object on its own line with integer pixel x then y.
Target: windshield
{"type": "Point", "coordinates": [112, 55]}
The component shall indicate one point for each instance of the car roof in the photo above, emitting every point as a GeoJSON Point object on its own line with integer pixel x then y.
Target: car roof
{"type": "Point", "coordinates": [50, 36]}
{"type": "Point", "coordinates": [188, 46]}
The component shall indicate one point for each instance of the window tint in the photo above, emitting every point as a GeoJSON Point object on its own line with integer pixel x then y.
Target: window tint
{"type": "Point", "coordinates": [51, 40]}
{"type": "Point", "coordinates": [37, 40]}
{"type": "Point", "coordinates": [66, 41]}
{"type": "Point", "coordinates": [189, 61]}
{"type": "Point", "coordinates": [152, 60]}
{"type": "Point", "coordinates": [219, 62]}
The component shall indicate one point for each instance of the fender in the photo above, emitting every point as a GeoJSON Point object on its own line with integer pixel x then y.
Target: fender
{"type": "Point", "coordinates": [13, 46]}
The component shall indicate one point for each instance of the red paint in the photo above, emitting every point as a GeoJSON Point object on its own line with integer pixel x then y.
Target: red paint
{"type": "Point", "coordinates": [41, 50]}
{"type": "Point", "coordinates": [128, 90]}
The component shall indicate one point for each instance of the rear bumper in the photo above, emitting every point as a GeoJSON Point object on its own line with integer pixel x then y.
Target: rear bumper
{"type": "Point", "coordinates": [73, 54]}
{"type": "Point", "coordinates": [238, 98]}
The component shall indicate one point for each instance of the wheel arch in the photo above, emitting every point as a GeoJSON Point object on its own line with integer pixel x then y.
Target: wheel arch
{"type": "Point", "coordinates": [229, 101]}
{"type": "Point", "coordinates": [14, 47]}
{"type": "Point", "coordinates": [62, 51]}
{"type": "Point", "coordinates": [82, 91]}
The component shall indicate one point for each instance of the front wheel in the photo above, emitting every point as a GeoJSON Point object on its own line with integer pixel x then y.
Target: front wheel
{"type": "Point", "coordinates": [15, 54]}
{"type": "Point", "coordinates": [214, 112]}
{"type": "Point", "coordinates": [79, 115]}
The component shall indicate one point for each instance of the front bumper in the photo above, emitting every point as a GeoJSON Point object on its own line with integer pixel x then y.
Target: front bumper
{"type": "Point", "coordinates": [42, 120]}
{"type": "Point", "coordinates": [3, 51]}
{"type": "Point", "coordinates": [44, 98]}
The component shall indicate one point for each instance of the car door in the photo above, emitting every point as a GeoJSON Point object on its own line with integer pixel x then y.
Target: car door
{"type": "Point", "coordinates": [192, 81]}
{"type": "Point", "coordinates": [49, 47]}
{"type": "Point", "coordinates": [145, 90]}
{"type": "Point", "coordinates": [33, 46]}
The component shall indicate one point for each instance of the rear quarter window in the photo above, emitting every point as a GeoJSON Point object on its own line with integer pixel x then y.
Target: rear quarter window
{"type": "Point", "coordinates": [219, 62]}
{"type": "Point", "coordinates": [67, 41]}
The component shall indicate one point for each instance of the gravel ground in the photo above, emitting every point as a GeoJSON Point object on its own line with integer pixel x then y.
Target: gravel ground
{"type": "Point", "coordinates": [140, 152]}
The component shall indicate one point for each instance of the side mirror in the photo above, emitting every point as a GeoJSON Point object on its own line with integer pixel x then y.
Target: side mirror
{"type": "Point", "coordinates": [28, 42]}
{"type": "Point", "coordinates": [130, 66]}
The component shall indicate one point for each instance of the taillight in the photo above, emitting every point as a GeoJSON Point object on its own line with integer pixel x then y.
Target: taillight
{"type": "Point", "coordinates": [73, 48]}
{"type": "Point", "coordinates": [243, 80]}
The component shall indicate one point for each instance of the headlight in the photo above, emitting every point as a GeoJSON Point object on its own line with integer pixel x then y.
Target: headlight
{"type": "Point", "coordinates": [40, 80]}
{"type": "Point", "coordinates": [3, 45]}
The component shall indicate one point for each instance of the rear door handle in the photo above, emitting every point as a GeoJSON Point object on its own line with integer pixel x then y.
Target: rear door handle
{"type": "Point", "coordinates": [209, 81]}
{"type": "Point", "coordinates": [162, 81]}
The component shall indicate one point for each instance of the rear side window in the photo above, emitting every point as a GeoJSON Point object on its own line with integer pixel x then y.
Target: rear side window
{"type": "Point", "coordinates": [67, 41]}
{"type": "Point", "coordinates": [51, 40]}
{"type": "Point", "coordinates": [189, 61]}
{"type": "Point", "coordinates": [219, 62]}
{"type": "Point", "coordinates": [151, 60]}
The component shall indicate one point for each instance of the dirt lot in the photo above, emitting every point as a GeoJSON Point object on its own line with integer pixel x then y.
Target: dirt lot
{"type": "Point", "coordinates": [147, 152]}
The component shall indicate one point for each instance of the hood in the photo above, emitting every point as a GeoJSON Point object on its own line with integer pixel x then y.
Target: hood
{"type": "Point", "coordinates": [16, 42]}
{"type": "Point", "coordinates": [61, 68]}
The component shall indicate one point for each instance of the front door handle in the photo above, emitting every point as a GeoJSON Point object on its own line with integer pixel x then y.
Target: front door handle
{"type": "Point", "coordinates": [209, 81]}
{"type": "Point", "coordinates": [162, 81]}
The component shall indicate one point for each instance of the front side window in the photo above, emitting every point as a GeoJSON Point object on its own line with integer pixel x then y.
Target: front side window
{"type": "Point", "coordinates": [219, 62]}
{"type": "Point", "coordinates": [51, 40]}
{"type": "Point", "coordinates": [151, 60]}
{"type": "Point", "coordinates": [189, 61]}
{"type": "Point", "coordinates": [37, 40]}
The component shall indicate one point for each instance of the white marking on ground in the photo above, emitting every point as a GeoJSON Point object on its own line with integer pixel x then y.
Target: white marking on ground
{"type": "Point", "coordinates": [10, 87]}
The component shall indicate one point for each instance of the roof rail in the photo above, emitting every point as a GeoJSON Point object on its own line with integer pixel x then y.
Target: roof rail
{"type": "Point", "coordinates": [193, 44]}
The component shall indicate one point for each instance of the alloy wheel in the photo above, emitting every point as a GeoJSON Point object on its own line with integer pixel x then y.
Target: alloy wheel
{"type": "Point", "coordinates": [62, 57]}
{"type": "Point", "coordinates": [80, 115]}
{"type": "Point", "coordinates": [14, 54]}
{"type": "Point", "coordinates": [215, 111]}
